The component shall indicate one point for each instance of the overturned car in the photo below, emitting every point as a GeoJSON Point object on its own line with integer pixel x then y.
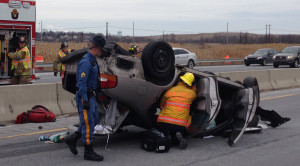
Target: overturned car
{"type": "Point", "coordinates": [138, 85]}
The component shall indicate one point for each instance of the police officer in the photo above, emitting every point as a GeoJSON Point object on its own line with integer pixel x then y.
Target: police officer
{"type": "Point", "coordinates": [21, 64]}
{"type": "Point", "coordinates": [63, 51]}
{"type": "Point", "coordinates": [87, 84]}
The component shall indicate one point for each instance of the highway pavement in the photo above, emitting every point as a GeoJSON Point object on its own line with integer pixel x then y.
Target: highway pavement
{"type": "Point", "coordinates": [19, 144]}
{"type": "Point", "coordinates": [48, 77]}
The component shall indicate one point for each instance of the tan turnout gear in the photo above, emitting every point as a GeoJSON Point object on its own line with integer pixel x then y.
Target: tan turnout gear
{"type": "Point", "coordinates": [175, 105]}
{"type": "Point", "coordinates": [21, 65]}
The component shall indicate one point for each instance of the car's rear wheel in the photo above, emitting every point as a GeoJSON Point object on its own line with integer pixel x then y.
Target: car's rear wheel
{"type": "Point", "coordinates": [158, 62]}
{"type": "Point", "coordinates": [275, 65]}
{"type": "Point", "coordinates": [74, 56]}
{"type": "Point", "coordinates": [191, 64]}
{"type": "Point", "coordinates": [264, 62]}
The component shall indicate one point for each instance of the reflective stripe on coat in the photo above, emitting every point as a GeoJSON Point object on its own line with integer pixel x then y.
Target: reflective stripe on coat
{"type": "Point", "coordinates": [26, 61]}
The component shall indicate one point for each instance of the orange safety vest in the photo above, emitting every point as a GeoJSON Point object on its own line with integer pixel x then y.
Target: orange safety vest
{"type": "Point", "coordinates": [176, 105]}
{"type": "Point", "coordinates": [62, 54]}
{"type": "Point", "coordinates": [26, 61]}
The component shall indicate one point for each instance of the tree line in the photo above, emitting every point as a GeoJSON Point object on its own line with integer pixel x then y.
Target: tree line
{"type": "Point", "coordinates": [223, 38]}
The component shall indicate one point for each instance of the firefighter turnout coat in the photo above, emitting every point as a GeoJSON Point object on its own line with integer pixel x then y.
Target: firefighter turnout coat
{"type": "Point", "coordinates": [175, 105]}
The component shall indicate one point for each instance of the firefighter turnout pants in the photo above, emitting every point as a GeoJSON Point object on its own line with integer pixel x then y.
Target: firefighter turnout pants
{"type": "Point", "coordinates": [88, 119]}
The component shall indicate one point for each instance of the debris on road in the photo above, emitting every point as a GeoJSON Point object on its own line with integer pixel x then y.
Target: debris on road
{"type": "Point", "coordinates": [56, 138]}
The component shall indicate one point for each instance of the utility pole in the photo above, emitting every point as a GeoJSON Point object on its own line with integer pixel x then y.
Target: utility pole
{"type": "Point", "coordinates": [106, 30]}
{"type": "Point", "coordinates": [266, 33]}
{"type": "Point", "coordinates": [227, 32]}
{"type": "Point", "coordinates": [133, 33]}
{"type": "Point", "coordinates": [269, 33]}
{"type": "Point", "coordinates": [41, 30]}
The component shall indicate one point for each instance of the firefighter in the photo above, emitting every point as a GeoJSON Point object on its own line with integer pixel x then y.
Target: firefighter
{"type": "Point", "coordinates": [21, 64]}
{"type": "Point", "coordinates": [174, 118]}
{"type": "Point", "coordinates": [63, 51]}
{"type": "Point", "coordinates": [134, 50]}
{"type": "Point", "coordinates": [87, 88]}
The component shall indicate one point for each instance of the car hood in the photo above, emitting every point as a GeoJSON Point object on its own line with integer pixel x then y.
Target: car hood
{"type": "Point", "coordinates": [254, 56]}
{"type": "Point", "coordinates": [285, 54]}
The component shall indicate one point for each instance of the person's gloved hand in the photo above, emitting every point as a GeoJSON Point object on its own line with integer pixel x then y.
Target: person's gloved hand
{"type": "Point", "coordinates": [55, 74]}
{"type": "Point", "coordinates": [86, 105]}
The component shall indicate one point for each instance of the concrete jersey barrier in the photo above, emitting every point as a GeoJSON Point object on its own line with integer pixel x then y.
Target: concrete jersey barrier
{"type": "Point", "coordinates": [65, 100]}
{"type": "Point", "coordinates": [16, 99]}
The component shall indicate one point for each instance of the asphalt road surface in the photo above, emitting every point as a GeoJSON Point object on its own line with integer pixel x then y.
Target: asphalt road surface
{"type": "Point", "coordinates": [19, 144]}
{"type": "Point", "coordinates": [48, 77]}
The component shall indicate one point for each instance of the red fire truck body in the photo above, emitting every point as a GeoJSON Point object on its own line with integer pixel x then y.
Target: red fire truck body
{"type": "Point", "coordinates": [17, 19]}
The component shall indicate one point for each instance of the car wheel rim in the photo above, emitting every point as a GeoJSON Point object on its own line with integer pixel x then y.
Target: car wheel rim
{"type": "Point", "coordinates": [161, 60]}
{"type": "Point", "coordinates": [191, 64]}
{"type": "Point", "coordinates": [296, 63]}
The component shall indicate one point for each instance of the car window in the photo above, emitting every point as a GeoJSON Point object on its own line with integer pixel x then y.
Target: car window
{"type": "Point", "coordinates": [176, 52]}
{"type": "Point", "coordinates": [261, 52]}
{"type": "Point", "coordinates": [179, 51]}
{"type": "Point", "coordinates": [290, 50]}
{"type": "Point", "coordinates": [184, 52]}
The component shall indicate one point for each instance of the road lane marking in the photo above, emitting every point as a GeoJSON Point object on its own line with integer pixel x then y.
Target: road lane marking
{"type": "Point", "coordinates": [39, 132]}
{"type": "Point", "coordinates": [277, 97]}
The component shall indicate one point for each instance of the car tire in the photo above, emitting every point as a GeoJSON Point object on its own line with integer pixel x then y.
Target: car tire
{"type": "Point", "coordinates": [251, 82]}
{"type": "Point", "coordinates": [275, 65]}
{"type": "Point", "coordinates": [74, 56]}
{"type": "Point", "coordinates": [247, 64]}
{"type": "Point", "coordinates": [191, 64]}
{"type": "Point", "coordinates": [264, 62]}
{"type": "Point", "coordinates": [295, 64]}
{"type": "Point", "coordinates": [158, 62]}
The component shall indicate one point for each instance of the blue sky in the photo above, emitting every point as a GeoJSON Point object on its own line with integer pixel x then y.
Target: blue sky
{"type": "Point", "coordinates": [152, 17]}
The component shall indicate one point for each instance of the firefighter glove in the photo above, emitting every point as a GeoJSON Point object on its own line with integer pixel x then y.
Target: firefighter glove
{"type": "Point", "coordinates": [86, 105]}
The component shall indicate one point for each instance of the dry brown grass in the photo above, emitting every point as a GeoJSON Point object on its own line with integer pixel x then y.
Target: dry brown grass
{"type": "Point", "coordinates": [206, 51]}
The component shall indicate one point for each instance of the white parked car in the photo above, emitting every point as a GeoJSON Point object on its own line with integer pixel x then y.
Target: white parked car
{"type": "Point", "coordinates": [185, 57]}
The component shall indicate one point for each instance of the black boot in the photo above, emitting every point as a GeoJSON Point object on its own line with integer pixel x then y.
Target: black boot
{"type": "Point", "coordinates": [71, 141]}
{"type": "Point", "coordinates": [182, 141]}
{"type": "Point", "coordinates": [89, 154]}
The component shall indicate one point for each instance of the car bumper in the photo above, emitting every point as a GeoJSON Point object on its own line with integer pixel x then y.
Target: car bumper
{"type": "Point", "coordinates": [253, 61]}
{"type": "Point", "coordinates": [284, 62]}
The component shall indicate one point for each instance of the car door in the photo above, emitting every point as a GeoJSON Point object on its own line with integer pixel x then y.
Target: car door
{"type": "Point", "coordinates": [180, 56]}
{"type": "Point", "coordinates": [177, 56]}
{"type": "Point", "coordinates": [270, 55]}
{"type": "Point", "coordinates": [246, 105]}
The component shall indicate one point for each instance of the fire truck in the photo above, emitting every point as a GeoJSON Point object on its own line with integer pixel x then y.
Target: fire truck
{"type": "Point", "coordinates": [17, 19]}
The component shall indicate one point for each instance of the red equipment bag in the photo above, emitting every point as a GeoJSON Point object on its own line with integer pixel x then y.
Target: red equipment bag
{"type": "Point", "coordinates": [21, 118]}
{"type": "Point", "coordinates": [40, 114]}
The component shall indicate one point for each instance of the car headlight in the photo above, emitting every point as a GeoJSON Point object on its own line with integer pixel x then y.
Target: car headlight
{"type": "Point", "coordinates": [274, 57]}
{"type": "Point", "coordinates": [258, 57]}
{"type": "Point", "coordinates": [246, 58]}
{"type": "Point", "coordinates": [290, 57]}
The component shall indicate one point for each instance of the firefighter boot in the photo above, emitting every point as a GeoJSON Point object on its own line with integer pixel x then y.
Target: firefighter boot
{"type": "Point", "coordinates": [183, 144]}
{"type": "Point", "coordinates": [89, 154]}
{"type": "Point", "coordinates": [71, 141]}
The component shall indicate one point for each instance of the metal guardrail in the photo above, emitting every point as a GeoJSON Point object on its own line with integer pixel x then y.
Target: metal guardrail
{"type": "Point", "coordinates": [224, 61]}
{"type": "Point", "coordinates": [219, 60]}
{"type": "Point", "coordinates": [43, 64]}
